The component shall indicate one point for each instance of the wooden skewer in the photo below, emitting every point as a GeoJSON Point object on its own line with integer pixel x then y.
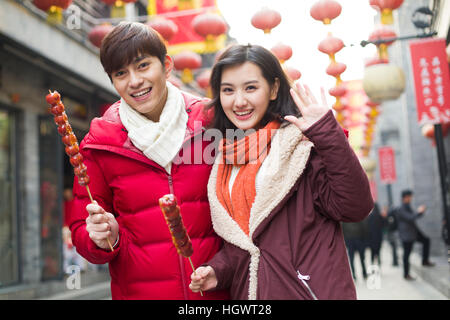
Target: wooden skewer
{"type": "Point", "coordinates": [92, 200]}
{"type": "Point", "coordinates": [193, 269]}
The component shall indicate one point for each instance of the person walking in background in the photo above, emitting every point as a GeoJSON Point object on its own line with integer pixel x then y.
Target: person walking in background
{"type": "Point", "coordinates": [392, 232]}
{"type": "Point", "coordinates": [356, 237]}
{"type": "Point", "coordinates": [279, 191]}
{"type": "Point", "coordinates": [409, 232]}
{"type": "Point", "coordinates": [376, 223]}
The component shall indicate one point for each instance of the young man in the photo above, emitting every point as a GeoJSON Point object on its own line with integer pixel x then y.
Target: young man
{"type": "Point", "coordinates": [410, 232]}
{"type": "Point", "coordinates": [132, 156]}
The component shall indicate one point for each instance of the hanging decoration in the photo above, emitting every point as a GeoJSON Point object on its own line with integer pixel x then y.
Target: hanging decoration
{"type": "Point", "coordinates": [282, 51]}
{"type": "Point", "coordinates": [187, 61]}
{"type": "Point", "coordinates": [386, 7]}
{"type": "Point", "coordinates": [118, 7]}
{"type": "Point", "coordinates": [209, 26]}
{"type": "Point", "coordinates": [203, 81]}
{"type": "Point", "coordinates": [54, 9]}
{"type": "Point", "coordinates": [325, 10]}
{"type": "Point", "coordinates": [97, 34]}
{"type": "Point", "coordinates": [383, 33]}
{"type": "Point", "coordinates": [292, 73]}
{"type": "Point", "coordinates": [266, 19]}
{"type": "Point", "coordinates": [165, 27]}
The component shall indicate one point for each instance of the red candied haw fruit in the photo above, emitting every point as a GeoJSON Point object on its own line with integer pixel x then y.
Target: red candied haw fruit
{"type": "Point", "coordinates": [57, 109]}
{"type": "Point", "coordinates": [53, 98]}
{"type": "Point", "coordinates": [61, 119]}
{"type": "Point", "coordinates": [69, 139]}
{"type": "Point", "coordinates": [73, 149]}
{"type": "Point", "coordinates": [76, 160]}
{"type": "Point", "coordinates": [84, 181]}
{"type": "Point", "coordinates": [80, 170]}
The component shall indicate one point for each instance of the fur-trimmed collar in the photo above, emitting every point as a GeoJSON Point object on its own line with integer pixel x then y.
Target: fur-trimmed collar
{"type": "Point", "coordinates": [287, 159]}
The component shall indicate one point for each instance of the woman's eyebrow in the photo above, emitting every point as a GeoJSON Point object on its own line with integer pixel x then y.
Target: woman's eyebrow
{"type": "Point", "coordinates": [245, 83]}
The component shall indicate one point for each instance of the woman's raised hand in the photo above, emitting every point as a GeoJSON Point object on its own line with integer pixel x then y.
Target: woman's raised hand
{"type": "Point", "coordinates": [310, 109]}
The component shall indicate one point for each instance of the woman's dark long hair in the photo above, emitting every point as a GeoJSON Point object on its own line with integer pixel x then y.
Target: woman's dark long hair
{"type": "Point", "coordinates": [271, 69]}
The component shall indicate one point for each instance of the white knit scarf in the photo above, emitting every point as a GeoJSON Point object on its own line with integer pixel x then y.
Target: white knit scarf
{"type": "Point", "coordinates": [159, 141]}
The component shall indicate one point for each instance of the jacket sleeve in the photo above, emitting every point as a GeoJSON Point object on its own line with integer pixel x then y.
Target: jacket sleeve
{"type": "Point", "coordinates": [103, 195]}
{"type": "Point", "coordinates": [222, 267]}
{"type": "Point", "coordinates": [339, 184]}
{"type": "Point", "coordinates": [403, 215]}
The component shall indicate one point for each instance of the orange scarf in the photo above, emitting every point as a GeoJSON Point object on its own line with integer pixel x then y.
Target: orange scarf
{"type": "Point", "coordinates": [248, 153]}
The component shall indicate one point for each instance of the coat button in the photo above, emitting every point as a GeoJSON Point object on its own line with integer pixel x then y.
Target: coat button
{"type": "Point", "coordinates": [188, 110]}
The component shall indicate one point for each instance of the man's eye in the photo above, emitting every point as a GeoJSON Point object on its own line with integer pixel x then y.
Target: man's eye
{"type": "Point", "coordinates": [119, 73]}
{"type": "Point", "coordinates": [144, 64]}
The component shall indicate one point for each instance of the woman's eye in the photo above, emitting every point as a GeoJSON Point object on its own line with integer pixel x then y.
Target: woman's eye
{"type": "Point", "coordinates": [227, 90]}
{"type": "Point", "coordinates": [251, 88]}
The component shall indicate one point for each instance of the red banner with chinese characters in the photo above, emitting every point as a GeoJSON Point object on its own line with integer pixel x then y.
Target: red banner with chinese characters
{"type": "Point", "coordinates": [386, 163]}
{"type": "Point", "coordinates": [431, 80]}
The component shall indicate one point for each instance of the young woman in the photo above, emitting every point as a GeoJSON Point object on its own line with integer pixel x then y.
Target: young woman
{"type": "Point", "coordinates": [130, 156]}
{"type": "Point", "coordinates": [279, 212]}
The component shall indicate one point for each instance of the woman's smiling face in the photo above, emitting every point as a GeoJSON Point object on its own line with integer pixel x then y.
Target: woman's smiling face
{"type": "Point", "coordinates": [245, 95]}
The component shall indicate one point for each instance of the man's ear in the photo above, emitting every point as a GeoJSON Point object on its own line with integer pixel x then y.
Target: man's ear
{"type": "Point", "coordinates": [168, 65]}
{"type": "Point", "coordinates": [274, 89]}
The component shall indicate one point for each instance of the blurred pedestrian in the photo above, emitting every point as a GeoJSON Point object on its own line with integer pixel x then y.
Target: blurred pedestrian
{"type": "Point", "coordinates": [376, 223]}
{"type": "Point", "coordinates": [356, 237]}
{"type": "Point", "coordinates": [279, 192]}
{"type": "Point", "coordinates": [130, 155]}
{"type": "Point", "coordinates": [392, 233]}
{"type": "Point", "coordinates": [409, 232]}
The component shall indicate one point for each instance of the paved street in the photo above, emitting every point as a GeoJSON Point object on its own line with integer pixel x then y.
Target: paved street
{"type": "Point", "coordinates": [391, 285]}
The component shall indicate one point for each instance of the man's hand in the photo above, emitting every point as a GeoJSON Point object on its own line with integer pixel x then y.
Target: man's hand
{"type": "Point", "coordinates": [101, 225]}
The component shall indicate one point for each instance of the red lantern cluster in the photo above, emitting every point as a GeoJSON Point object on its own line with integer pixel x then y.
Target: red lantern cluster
{"type": "Point", "coordinates": [325, 11]}
{"type": "Point", "coordinates": [383, 33]}
{"type": "Point", "coordinates": [266, 19]}
{"type": "Point", "coordinates": [293, 73]}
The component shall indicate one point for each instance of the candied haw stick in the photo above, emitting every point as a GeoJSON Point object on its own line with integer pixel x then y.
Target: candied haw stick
{"type": "Point", "coordinates": [180, 237]}
{"type": "Point", "coordinates": [70, 140]}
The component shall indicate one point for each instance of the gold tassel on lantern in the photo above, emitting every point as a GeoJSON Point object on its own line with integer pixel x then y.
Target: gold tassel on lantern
{"type": "Point", "coordinates": [54, 15]}
{"type": "Point", "coordinates": [386, 16]}
{"type": "Point", "coordinates": [118, 10]}
{"type": "Point", "coordinates": [151, 8]}
{"type": "Point", "coordinates": [187, 76]}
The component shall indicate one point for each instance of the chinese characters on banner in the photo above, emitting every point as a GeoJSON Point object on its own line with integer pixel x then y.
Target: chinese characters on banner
{"type": "Point", "coordinates": [386, 162]}
{"type": "Point", "coordinates": [431, 80]}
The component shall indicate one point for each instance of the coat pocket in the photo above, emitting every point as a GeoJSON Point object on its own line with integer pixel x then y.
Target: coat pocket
{"type": "Point", "coordinates": [303, 279]}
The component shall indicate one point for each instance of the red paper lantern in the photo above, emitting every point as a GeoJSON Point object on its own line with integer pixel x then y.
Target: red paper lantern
{"type": "Point", "coordinates": [325, 10]}
{"type": "Point", "coordinates": [97, 34]}
{"type": "Point", "coordinates": [330, 45]}
{"type": "Point", "coordinates": [337, 91]}
{"type": "Point", "coordinates": [209, 26]}
{"type": "Point", "coordinates": [53, 8]}
{"type": "Point", "coordinates": [203, 79]}
{"type": "Point", "coordinates": [165, 27]}
{"type": "Point", "coordinates": [293, 73]}
{"type": "Point", "coordinates": [282, 51]}
{"type": "Point", "coordinates": [382, 33]}
{"type": "Point", "coordinates": [187, 61]}
{"type": "Point", "coordinates": [266, 19]}
{"type": "Point", "coordinates": [336, 68]}
{"type": "Point", "coordinates": [386, 7]}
